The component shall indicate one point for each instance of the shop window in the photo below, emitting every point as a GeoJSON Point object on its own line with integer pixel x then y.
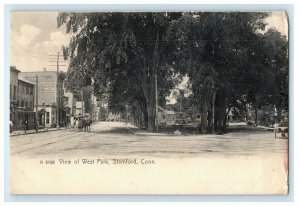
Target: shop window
{"type": "Point", "coordinates": [15, 92]}
{"type": "Point", "coordinates": [47, 117]}
{"type": "Point", "coordinates": [10, 92]}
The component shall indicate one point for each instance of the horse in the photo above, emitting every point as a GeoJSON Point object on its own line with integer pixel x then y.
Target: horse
{"type": "Point", "coordinates": [86, 124]}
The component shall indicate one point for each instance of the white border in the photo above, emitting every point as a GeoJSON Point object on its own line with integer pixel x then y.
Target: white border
{"type": "Point", "coordinates": [295, 94]}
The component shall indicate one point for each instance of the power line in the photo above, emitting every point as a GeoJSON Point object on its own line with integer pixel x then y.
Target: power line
{"type": "Point", "coordinates": [27, 52]}
{"type": "Point", "coordinates": [57, 87]}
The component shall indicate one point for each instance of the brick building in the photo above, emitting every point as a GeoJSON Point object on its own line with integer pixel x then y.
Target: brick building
{"type": "Point", "coordinates": [49, 85]}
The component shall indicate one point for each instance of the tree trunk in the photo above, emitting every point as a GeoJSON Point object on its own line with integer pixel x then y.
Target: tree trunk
{"type": "Point", "coordinates": [256, 116]}
{"type": "Point", "coordinates": [220, 107]}
{"type": "Point", "coordinates": [151, 119]}
{"type": "Point", "coordinates": [204, 122]}
{"type": "Point", "coordinates": [213, 113]}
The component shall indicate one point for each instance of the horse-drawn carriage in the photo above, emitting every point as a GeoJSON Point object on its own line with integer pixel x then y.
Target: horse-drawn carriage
{"type": "Point", "coordinates": [81, 123]}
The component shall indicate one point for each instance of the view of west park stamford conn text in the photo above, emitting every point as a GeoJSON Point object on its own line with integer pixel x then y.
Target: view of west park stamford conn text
{"type": "Point", "coordinates": [149, 102]}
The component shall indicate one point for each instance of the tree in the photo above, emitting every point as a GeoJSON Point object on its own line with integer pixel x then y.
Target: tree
{"type": "Point", "coordinates": [270, 86]}
{"type": "Point", "coordinates": [223, 56]}
{"type": "Point", "coordinates": [124, 53]}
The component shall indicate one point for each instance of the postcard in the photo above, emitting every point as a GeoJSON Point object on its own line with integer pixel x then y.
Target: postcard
{"type": "Point", "coordinates": [154, 103]}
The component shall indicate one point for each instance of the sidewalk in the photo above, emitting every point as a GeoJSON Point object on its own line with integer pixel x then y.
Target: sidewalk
{"type": "Point", "coordinates": [266, 128]}
{"type": "Point", "coordinates": [21, 132]}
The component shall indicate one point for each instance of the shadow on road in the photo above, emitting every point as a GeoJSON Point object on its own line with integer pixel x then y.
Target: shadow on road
{"type": "Point", "coordinates": [244, 128]}
{"type": "Point", "coordinates": [115, 130]}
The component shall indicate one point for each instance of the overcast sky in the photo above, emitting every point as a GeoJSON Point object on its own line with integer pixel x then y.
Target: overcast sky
{"type": "Point", "coordinates": [35, 36]}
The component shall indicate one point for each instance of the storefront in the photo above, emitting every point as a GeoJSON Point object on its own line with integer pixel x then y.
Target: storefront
{"type": "Point", "coordinates": [27, 117]}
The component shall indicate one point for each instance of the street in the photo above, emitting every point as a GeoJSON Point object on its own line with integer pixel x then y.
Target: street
{"type": "Point", "coordinates": [119, 158]}
{"type": "Point", "coordinates": [117, 138]}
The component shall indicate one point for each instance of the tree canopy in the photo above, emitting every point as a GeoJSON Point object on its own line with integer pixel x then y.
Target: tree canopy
{"type": "Point", "coordinates": [227, 56]}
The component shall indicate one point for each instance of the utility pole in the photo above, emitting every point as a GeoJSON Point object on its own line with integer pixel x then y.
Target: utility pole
{"type": "Point", "coordinates": [156, 102]}
{"type": "Point", "coordinates": [156, 58]}
{"type": "Point", "coordinates": [36, 102]}
{"type": "Point", "coordinates": [57, 86]}
{"type": "Point", "coordinates": [81, 103]}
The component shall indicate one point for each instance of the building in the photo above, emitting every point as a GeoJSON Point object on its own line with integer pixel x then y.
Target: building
{"type": "Point", "coordinates": [49, 92]}
{"type": "Point", "coordinates": [13, 94]}
{"type": "Point", "coordinates": [26, 98]}
{"type": "Point", "coordinates": [80, 108]}
{"type": "Point", "coordinates": [69, 104]}
{"type": "Point", "coordinates": [22, 97]}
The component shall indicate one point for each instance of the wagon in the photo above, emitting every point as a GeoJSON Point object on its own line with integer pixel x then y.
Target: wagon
{"type": "Point", "coordinates": [281, 130]}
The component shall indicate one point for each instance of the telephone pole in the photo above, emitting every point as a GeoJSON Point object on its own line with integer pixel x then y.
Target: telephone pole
{"type": "Point", "coordinates": [156, 102]}
{"type": "Point", "coordinates": [36, 103]}
{"type": "Point", "coordinates": [58, 92]}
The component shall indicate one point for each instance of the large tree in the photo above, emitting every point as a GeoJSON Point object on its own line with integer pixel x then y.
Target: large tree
{"type": "Point", "coordinates": [227, 59]}
{"type": "Point", "coordinates": [124, 53]}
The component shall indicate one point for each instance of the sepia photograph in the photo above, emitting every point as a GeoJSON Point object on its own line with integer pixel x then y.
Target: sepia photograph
{"type": "Point", "coordinates": [154, 103]}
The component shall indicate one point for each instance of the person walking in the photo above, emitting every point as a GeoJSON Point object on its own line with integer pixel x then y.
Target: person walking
{"type": "Point", "coordinates": [25, 126]}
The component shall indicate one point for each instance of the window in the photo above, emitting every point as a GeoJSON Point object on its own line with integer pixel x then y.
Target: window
{"type": "Point", "coordinates": [22, 103]}
{"type": "Point", "coordinates": [15, 92]}
{"type": "Point", "coordinates": [10, 91]}
{"type": "Point", "coordinates": [47, 117]}
{"type": "Point", "coordinates": [26, 104]}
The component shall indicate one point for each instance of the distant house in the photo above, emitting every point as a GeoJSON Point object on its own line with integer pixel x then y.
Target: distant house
{"type": "Point", "coordinates": [114, 117]}
{"type": "Point", "coordinates": [167, 117]}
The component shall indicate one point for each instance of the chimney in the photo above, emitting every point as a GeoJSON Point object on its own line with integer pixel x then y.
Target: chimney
{"type": "Point", "coordinates": [45, 69]}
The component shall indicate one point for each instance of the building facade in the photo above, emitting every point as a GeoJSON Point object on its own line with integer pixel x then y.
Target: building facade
{"type": "Point", "coordinates": [80, 108]}
{"type": "Point", "coordinates": [49, 92]}
{"type": "Point", "coordinates": [22, 101]}
{"type": "Point", "coordinates": [26, 97]}
{"type": "Point", "coordinates": [13, 94]}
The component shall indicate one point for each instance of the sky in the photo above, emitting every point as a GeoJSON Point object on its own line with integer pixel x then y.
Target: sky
{"type": "Point", "coordinates": [35, 36]}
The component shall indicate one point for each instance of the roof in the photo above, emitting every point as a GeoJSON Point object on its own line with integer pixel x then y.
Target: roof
{"type": "Point", "coordinates": [13, 68]}
{"type": "Point", "coordinates": [20, 78]}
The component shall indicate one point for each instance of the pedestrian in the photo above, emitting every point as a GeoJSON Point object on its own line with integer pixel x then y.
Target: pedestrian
{"type": "Point", "coordinates": [25, 125]}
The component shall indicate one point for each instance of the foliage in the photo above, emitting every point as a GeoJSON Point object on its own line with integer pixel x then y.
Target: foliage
{"type": "Point", "coordinates": [229, 61]}
{"type": "Point", "coordinates": [123, 53]}
{"type": "Point", "coordinates": [228, 57]}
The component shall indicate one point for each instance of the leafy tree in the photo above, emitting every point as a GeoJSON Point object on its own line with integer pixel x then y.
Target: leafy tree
{"type": "Point", "coordinates": [124, 53]}
{"type": "Point", "coordinates": [227, 59]}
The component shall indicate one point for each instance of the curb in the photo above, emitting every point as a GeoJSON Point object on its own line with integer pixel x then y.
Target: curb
{"type": "Point", "coordinates": [34, 132]}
